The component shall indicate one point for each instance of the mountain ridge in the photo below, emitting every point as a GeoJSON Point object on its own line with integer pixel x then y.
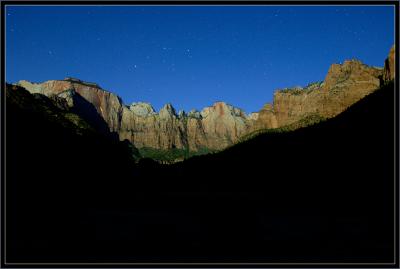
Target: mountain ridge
{"type": "Point", "coordinates": [220, 125]}
{"type": "Point", "coordinates": [299, 195]}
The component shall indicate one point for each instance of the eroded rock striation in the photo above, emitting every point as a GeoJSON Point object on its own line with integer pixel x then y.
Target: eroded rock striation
{"type": "Point", "coordinates": [217, 126]}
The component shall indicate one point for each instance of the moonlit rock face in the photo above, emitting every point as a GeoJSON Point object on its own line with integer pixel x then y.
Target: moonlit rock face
{"type": "Point", "coordinates": [68, 95]}
{"type": "Point", "coordinates": [221, 124]}
{"type": "Point", "coordinates": [222, 109]}
{"type": "Point", "coordinates": [253, 116]}
{"type": "Point", "coordinates": [142, 109]}
{"type": "Point", "coordinates": [181, 114]}
{"type": "Point", "coordinates": [389, 68]}
{"type": "Point", "coordinates": [204, 113]}
{"type": "Point", "coordinates": [194, 114]}
{"type": "Point", "coordinates": [238, 112]}
{"type": "Point", "coordinates": [108, 105]}
{"type": "Point", "coordinates": [168, 111]}
{"type": "Point", "coordinates": [31, 87]}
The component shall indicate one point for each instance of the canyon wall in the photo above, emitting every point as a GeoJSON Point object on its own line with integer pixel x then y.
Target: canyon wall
{"type": "Point", "coordinates": [221, 124]}
{"type": "Point", "coordinates": [215, 127]}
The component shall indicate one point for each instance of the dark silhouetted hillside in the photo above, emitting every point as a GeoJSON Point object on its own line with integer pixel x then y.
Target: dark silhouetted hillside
{"type": "Point", "coordinates": [58, 166]}
{"type": "Point", "coordinates": [323, 193]}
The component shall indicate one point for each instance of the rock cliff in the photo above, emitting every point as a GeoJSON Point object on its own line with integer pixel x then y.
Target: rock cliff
{"type": "Point", "coordinates": [389, 68]}
{"type": "Point", "coordinates": [344, 85]}
{"type": "Point", "coordinates": [221, 124]}
{"type": "Point", "coordinates": [108, 105]}
{"type": "Point", "coordinates": [215, 127]}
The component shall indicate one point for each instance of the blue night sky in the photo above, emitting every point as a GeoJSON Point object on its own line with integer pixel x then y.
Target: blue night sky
{"type": "Point", "coordinates": [192, 56]}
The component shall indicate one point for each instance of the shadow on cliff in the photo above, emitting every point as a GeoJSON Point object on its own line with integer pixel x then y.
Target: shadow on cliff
{"type": "Point", "coordinates": [323, 193]}
{"type": "Point", "coordinates": [88, 112]}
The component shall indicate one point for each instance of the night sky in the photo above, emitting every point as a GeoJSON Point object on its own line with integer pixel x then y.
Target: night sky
{"type": "Point", "coordinates": [192, 56]}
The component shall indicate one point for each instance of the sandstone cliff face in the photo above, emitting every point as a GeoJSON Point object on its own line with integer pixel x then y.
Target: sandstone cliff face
{"type": "Point", "coordinates": [163, 130]}
{"type": "Point", "coordinates": [389, 68]}
{"type": "Point", "coordinates": [344, 85]}
{"type": "Point", "coordinates": [107, 104]}
{"type": "Point", "coordinates": [214, 127]}
{"type": "Point", "coordinates": [264, 119]}
{"type": "Point", "coordinates": [223, 124]}
{"type": "Point", "coordinates": [219, 125]}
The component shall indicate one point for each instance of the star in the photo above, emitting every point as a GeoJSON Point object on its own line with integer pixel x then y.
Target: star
{"type": "Point", "coordinates": [188, 53]}
{"type": "Point", "coordinates": [50, 52]}
{"type": "Point", "coordinates": [132, 68]}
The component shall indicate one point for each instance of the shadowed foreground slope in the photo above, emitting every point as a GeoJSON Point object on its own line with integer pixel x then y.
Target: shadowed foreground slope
{"type": "Point", "coordinates": [318, 194]}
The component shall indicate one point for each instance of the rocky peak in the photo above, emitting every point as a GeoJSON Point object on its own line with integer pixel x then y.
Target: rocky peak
{"type": "Point", "coordinates": [167, 111]}
{"type": "Point", "coordinates": [30, 86]}
{"type": "Point", "coordinates": [222, 109]}
{"type": "Point", "coordinates": [350, 72]}
{"type": "Point", "coordinates": [194, 114]}
{"type": "Point", "coordinates": [181, 114]}
{"type": "Point", "coordinates": [268, 107]}
{"type": "Point", "coordinates": [142, 109]}
{"type": "Point", "coordinates": [221, 124]}
{"type": "Point", "coordinates": [254, 116]}
{"type": "Point", "coordinates": [108, 105]}
{"type": "Point", "coordinates": [389, 68]}
{"type": "Point", "coordinates": [237, 112]}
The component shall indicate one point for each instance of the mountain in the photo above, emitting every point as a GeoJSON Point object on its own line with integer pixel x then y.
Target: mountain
{"type": "Point", "coordinates": [317, 193]}
{"type": "Point", "coordinates": [390, 69]}
{"type": "Point", "coordinates": [220, 125]}
{"type": "Point", "coordinates": [344, 85]}
{"type": "Point", "coordinates": [214, 127]}
{"type": "Point", "coordinates": [315, 188]}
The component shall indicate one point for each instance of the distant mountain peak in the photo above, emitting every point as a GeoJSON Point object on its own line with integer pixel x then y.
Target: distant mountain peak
{"type": "Point", "coordinates": [167, 111]}
{"type": "Point", "coordinates": [142, 109]}
{"type": "Point", "coordinates": [221, 124]}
